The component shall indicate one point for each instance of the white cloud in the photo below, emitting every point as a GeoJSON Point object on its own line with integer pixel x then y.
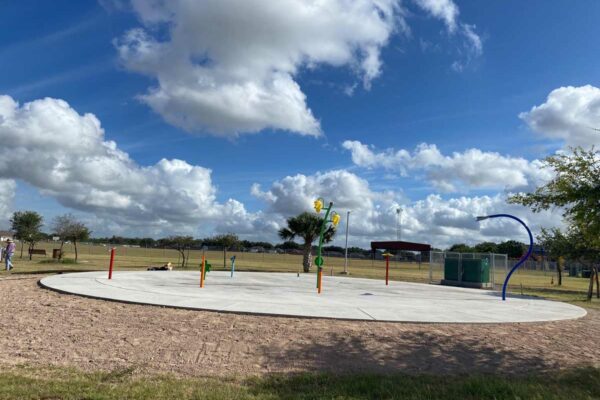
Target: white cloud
{"type": "Point", "coordinates": [227, 66]}
{"type": "Point", "coordinates": [65, 155]}
{"type": "Point", "coordinates": [433, 220]}
{"type": "Point", "coordinates": [447, 11]}
{"type": "Point", "coordinates": [471, 169]}
{"type": "Point", "coordinates": [7, 194]}
{"type": "Point", "coordinates": [570, 114]}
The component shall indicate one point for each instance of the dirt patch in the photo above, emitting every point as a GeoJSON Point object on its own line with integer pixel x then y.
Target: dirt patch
{"type": "Point", "coordinates": [42, 327]}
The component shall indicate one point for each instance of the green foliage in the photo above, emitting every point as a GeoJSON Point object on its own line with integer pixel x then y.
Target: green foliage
{"type": "Point", "coordinates": [486, 247]}
{"type": "Point", "coordinates": [512, 248]}
{"type": "Point", "coordinates": [179, 243]}
{"type": "Point", "coordinates": [67, 227]}
{"type": "Point", "coordinates": [461, 248]}
{"type": "Point", "coordinates": [288, 245]}
{"type": "Point", "coordinates": [556, 243]}
{"type": "Point", "coordinates": [575, 188]}
{"type": "Point", "coordinates": [27, 225]}
{"type": "Point", "coordinates": [227, 240]}
{"type": "Point", "coordinates": [306, 226]}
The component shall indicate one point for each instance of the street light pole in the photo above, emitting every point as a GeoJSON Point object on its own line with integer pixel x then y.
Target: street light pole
{"type": "Point", "coordinates": [346, 255]}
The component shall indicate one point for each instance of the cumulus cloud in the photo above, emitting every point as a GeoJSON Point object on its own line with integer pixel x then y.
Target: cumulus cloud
{"type": "Point", "coordinates": [433, 220]}
{"type": "Point", "coordinates": [7, 194]}
{"type": "Point", "coordinates": [227, 66]}
{"type": "Point", "coordinates": [65, 155]}
{"type": "Point", "coordinates": [471, 169]}
{"type": "Point", "coordinates": [569, 114]}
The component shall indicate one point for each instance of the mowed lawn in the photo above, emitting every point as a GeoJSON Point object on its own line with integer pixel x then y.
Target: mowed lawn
{"type": "Point", "coordinates": [63, 383]}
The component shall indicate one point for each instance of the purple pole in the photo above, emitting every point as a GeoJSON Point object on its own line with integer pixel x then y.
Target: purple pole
{"type": "Point", "coordinates": [523, 259]}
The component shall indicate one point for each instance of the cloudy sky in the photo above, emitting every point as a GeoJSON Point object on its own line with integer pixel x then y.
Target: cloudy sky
{"type": "Point", "coordinates": [149, 117]}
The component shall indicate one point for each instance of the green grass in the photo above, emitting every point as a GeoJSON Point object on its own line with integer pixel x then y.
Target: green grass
{"type": "Point", "coordinates": [62, 383]}
{"type": "Point", "coordinates": [59, 262]}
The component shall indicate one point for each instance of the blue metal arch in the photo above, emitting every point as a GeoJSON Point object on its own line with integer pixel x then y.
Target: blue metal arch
{"type": "Point", "coordinates": [523, 259]}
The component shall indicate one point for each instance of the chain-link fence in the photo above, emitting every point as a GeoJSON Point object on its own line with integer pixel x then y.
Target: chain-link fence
{"type": "Point", "coordinates": [452, 266]}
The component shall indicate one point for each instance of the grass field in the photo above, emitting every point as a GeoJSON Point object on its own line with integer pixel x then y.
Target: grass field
{"type": "Point", "coordinates": [61, 383]}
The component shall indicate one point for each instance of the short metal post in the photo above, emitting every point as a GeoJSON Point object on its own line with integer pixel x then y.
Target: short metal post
{"type": "Point", "coordinates": [202, 272]}
{"type": "Point", "coordinates": [112, 261]}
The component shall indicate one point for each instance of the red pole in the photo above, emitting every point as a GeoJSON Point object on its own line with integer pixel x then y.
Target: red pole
{"type": "Point", "coordinates": [112, 261]}
{"type": "Point", "coordinates": [387, 269]}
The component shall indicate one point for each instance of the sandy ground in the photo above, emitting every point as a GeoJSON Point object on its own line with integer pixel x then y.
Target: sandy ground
{"type": "Point", "coordinates": [42, 327]}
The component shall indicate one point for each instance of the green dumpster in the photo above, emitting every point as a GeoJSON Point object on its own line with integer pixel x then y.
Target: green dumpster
{"type": "Point", "coordinates": [586, 273]}
{"type": "Point", "coordinates": [451, 269]}
{"type": "Point", "coordinates": [477, 270]}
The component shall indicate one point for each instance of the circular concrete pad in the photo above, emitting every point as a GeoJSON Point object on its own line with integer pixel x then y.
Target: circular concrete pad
{"type": "Point", "coordinates": [288, 294]}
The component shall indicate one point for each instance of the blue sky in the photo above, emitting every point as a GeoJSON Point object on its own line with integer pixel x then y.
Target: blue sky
{"type": "Point", "coordinates": [69, 50]}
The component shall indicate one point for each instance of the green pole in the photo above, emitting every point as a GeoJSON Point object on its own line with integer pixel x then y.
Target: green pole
{"type": "Point", "coordinates": [319, 249]}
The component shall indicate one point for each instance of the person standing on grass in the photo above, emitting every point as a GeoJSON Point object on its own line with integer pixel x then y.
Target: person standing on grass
{"type": "Point", "coordinates": [8, 253]}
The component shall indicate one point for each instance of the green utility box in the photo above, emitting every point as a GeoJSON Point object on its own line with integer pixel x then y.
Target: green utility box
{"type": "Point", "coordinates": [476, 270]}
{"type": "Point", "coordinates": [452, 269]}
{"type": "Point", "coordinates": [471, 272]}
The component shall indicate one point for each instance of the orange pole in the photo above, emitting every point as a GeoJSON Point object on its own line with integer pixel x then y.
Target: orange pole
{"type": "Point", "coordinates": [320, 273]}
{"type": "Point", "coordinates": [387, 269]}
{"type": "Point", "coordinates": [202, 273]}
{"type": "Point", "coordinates": [112, 261]}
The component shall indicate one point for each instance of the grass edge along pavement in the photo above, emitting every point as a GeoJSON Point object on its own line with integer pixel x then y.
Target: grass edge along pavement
{"type": "Point", "coordinates": [28, 382]}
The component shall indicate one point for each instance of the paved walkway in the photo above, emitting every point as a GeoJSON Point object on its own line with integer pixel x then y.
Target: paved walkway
{"type": "Point", "coordinates": [288, 294]}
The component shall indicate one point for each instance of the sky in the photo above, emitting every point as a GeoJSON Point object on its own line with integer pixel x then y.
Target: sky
{"type": "Point", "coordinates": [155, 118]}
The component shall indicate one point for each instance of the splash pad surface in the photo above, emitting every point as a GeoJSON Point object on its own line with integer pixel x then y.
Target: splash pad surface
{"type": "Point", "coordinates": [286, 294]}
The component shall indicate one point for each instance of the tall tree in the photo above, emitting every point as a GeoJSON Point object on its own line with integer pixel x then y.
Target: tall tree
{"type": "Point", "coordinates": [461, 248]}
{"type": "Point", "coordinates": [512, 248]}
{"type": "Point", "coordinates": [61, 226]}
{"type": "Point", "coordinates": [27, 227]}
{"type": "Point", "coordinates": [306, 226]}
{"type": "Point", "coordinates": [228, 241]}
{"type": "Point", "coordinates": [179, 243]}
{"type": "Point", "coordinates": [575, 188]}
{"type": "Point", "coordinates": [486, 247]}
{"type": "Point", "coordinates": [79, 232]}
{"type": "Point", "coordinates": [67, 227]}
{"type": "Point", "coordinates": [557, 244]}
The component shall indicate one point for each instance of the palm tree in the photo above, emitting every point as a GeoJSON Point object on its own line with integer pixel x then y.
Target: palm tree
{"type": "Point", "coordinates": [308, 227]}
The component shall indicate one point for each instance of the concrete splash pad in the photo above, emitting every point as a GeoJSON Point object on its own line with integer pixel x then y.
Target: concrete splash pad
{"type": "Point", "coordinates": [289, 295]}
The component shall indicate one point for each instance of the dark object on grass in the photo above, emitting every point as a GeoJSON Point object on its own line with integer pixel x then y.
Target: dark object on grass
{"type": "Point", "coordinates": [166, 267]}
